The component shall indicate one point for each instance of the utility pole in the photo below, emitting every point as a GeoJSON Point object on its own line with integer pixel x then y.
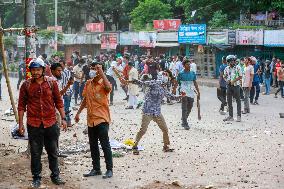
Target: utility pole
{"type": "Point", "coordinates": [30, 29]}
{"type": "Point", "coordinates": [55, 30]}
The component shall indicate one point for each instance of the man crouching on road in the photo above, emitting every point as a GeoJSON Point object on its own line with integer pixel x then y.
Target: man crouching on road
{"type": "Point", "coordinates": [95, 95]}
{"type": "Point", "coordinates": [40, 96]}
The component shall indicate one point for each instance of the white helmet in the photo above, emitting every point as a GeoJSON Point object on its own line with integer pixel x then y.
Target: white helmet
{"type": "Point", "coordinates": [36, 63]}
{"type": "Point", "coordinates": [230, 58]}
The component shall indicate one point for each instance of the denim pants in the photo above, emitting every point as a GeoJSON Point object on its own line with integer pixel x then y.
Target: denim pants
{"type": "Point", "coordinates": [267, 85]}
{"type": "Point", "coordinates": [96, 133]}
{"type": "Point", "coordinates": [47, 137]}
{"type": "Point", "coordinates": [78, 90]}
{"type": "Point", "coordinates": [67, 101]}
{"type": "Point", "coordinates": [234, 91]}
{"type": "Point", "coordinates": [254, 92]}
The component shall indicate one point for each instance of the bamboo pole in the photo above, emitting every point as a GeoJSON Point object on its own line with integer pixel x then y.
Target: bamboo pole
{"type": "Point", "coordinates": [6, 74]}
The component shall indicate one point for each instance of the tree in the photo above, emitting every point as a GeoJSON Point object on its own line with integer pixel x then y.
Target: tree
{"type": "Point", "coordinates": [219, 20]}
{"type": "Point", "coordinates": [149, 10]}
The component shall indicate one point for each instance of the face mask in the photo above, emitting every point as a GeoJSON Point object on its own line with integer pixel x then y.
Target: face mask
{"type": "Point", "coordinates": [92, 74]}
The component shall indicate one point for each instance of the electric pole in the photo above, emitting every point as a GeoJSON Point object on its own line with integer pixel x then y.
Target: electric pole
{"type": "Point", "coordinates": [55, 30]}
{"type": "Point", "coordinates": [30, 29]}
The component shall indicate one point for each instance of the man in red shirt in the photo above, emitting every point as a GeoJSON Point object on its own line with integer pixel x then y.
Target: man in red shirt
{"type": "Point", "coordinates": [40, 96]}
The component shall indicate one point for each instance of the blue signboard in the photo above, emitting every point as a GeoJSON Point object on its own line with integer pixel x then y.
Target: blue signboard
{"type": "Point", "coordinates": [192, 33]}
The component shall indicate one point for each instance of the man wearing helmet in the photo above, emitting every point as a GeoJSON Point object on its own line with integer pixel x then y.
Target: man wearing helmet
{"type": "Point", "coordinates": [232, 76]}
{"type": "Point", "coordinates": [40, 97]}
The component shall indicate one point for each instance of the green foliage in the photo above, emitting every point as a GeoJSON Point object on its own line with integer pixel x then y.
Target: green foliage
{"type": "Point", "coordinates": [237, 26]}
{"type": "Point", "coordinates": [48, 35]}
{"type": "Point", "coordinates": [59, 53]}
{"type": "Point", "coordinates": [149, 10]}
{"type": "Point", "coordinates": [9, 41]}
{"type": "Point", "coordinates": [218, 20]}
{"type": "Point", "coordinates": [12, 67]}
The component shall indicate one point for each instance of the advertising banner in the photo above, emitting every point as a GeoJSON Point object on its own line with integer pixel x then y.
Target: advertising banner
{"type": "Point", "coordinates": [95, 27]}
{"type": "Point", "coordinates": [250, 37]}
{"type": "Point", "coordinates": [232, 37]}
{"type": "Point", "coordinates": [193, 33]}
{"type": "Point", "coordinates": [109, 41]}
{"type": "Point", "coordinates": [217, 38]}
{"type": "Point", "coordinates": [167, 24]}
{"type": "Point", "coordinates": [129, 38]}
{"type": "Point", "coordinates": [147, 39]}
{"type": "Point", "coordinates": [274, 38]}
{"type": "Point", "coordinates": [53, 28]}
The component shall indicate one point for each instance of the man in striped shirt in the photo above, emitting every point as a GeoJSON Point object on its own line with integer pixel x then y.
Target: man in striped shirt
{"type": "Point", "coordinates": [66, 77]}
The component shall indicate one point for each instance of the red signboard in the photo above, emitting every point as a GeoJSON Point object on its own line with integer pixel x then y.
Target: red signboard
{"type": "Point", "coordinates": [108, 41]}
{"type": "Point", "coordinates": [95, 27]}
{"type": "Point", "coordinates": [168, 24]}
{"type": "Point", "coordinates": [53, 28]}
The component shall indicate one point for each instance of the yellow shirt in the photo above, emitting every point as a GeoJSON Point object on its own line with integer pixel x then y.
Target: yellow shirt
{"type": "Point", "coordinates": [97, 102]}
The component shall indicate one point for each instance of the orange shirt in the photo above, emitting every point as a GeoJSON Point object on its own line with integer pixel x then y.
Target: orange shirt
{"type": "Point", "coordinates": [97, 102]}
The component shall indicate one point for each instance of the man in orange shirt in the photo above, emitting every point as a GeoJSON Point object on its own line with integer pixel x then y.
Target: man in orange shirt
{"type": "Point", "coordinates": [95, 95]}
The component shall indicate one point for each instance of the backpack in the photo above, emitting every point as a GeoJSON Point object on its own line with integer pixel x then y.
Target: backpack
{"type": "Point", "coordinates": [48, 79]}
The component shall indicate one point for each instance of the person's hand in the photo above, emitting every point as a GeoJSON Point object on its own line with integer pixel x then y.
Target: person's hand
{"type": "Point", "coordinates": [77, 118]}
{"type": "Point", "coordinates": [232, 82]}
{"type": "Point", "coordinates": [100, 69]}
{"type": "Point", "coordinates": [70, 81]}
{"type": "Point", "coordinates": [21, 129]}
{"type": "Point", "coordinates": [64, 125]}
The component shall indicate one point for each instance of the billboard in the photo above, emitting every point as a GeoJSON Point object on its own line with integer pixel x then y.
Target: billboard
{"type": "Point", "coordinates": [109, 41]}
{"type": "Point", "coordinates": [217, 38]}
{"type": "Point", "coordinates": [129, 38]}
{"type": "Point", "coordinates": [274, 38]}
{"type": "Point", "coordinates": [167, 24]}
{"type": "Point", "coordinates": [249, 37]}
{"type": "Point", "coordinates": [192, 33]}
{"type": "Point", "coordinates": [147, 39]}
{"type": "Point", "coordinates": [95, 27]}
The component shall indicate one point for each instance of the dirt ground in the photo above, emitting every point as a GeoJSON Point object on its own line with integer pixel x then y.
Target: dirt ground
{"type": "Point", "coordinates": [212, 154]}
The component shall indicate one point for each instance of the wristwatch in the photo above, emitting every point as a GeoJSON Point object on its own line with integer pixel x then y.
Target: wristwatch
{"type": "Point", "coordinates": [64, 119]}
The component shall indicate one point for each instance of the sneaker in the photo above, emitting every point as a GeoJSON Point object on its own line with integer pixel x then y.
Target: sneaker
{"type": "Point", "coordinates": [222, 112]}
{"type": "Point", "coordinates": [238, 119]}
{"type": "Point", "coordinates": [135, 150]}
{"type": "Point", "coordinates": [108, 174]}
{"type": "Point", "coordinates": [129, 108]}
{"type": "Point", "coordinates": [36, 183]}
{"type": "Point", "coordinates": [255, 103]}
{"type": "Point", "coordinates": [111, 104]}
{"type": "Point", "coordinates": [275, 96]}
{"type": "Point", "coordinates": [57, 180]}
{"type": "Point", "coordinates": [229, 119]}
{"type": "Point", "coordinates": [93, 173]}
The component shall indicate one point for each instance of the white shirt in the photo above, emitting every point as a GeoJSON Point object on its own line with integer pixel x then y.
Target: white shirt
{"type": "Point", "coordinates": [248, 70]}
{"type": "Point", "coordinates": [110, 71]}
{"type": "Point", "coordinates": [78, 72]}
{"type": "Point", "coordinates": [193, 67]}
{"type": "Point", "coordinates": [231, 74]}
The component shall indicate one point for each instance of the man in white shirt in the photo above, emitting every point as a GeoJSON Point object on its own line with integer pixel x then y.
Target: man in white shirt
{"type": "Point", "coordinates": [114, 71]}
{"type": "Point", "coordinates": [247, 79]}
{"type": "Point", "coordinates": [232, 76]}
{"type": "Point", "coordinates": [133, 89]}
{"type": "Point", "coordinates": [78, 75]}
{"type": "Point", "coordinates": [193, 66]}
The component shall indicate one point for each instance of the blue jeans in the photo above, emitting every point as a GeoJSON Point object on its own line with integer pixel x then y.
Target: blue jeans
{"type": "Point", "coordinates": [67, 100]}
{"type": "Point", "coordinates": [267, 85]}
{"type": "Point", "coordinates": [78, 90]}
{"type": "Point", "coordinates": [254, 92]}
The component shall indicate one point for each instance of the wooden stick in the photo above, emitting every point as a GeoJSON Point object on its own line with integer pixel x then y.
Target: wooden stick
{"type": "Point", "coordinates": [7, 76]}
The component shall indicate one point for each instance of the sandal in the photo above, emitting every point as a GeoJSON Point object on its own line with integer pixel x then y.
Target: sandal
{"type": "Point", "coordinates": [168, 149]}
{"type": "Point", "coordinates": [135, 150]}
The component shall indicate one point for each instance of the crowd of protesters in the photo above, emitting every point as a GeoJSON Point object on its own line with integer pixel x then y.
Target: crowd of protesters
{"type": "Point", "coordinates": [241, 80]}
